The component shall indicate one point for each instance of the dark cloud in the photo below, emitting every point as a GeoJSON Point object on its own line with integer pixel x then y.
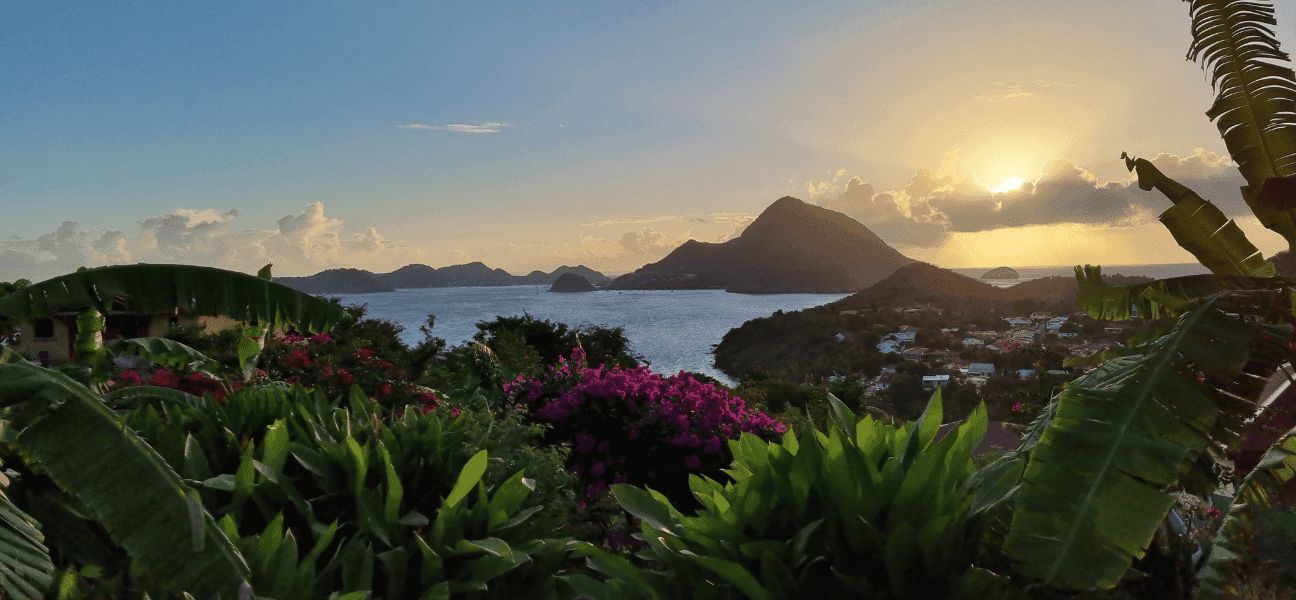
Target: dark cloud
{"type": "Point", "coordinates": [936, 203]}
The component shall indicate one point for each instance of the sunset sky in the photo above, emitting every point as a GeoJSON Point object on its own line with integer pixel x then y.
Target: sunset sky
{"type": "Point", "coordinates": [532, 134]}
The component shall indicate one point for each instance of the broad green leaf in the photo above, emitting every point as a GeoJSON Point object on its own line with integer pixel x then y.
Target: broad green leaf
{"type": "Point", "coordinates": [25, 567]}
{"type": "Point", "coordinates": [164, 352]}
{"type": "Point", "coordinates": [1201, 228]}
{"type": "Point", "coordinates": [1093, 492]}
{"type": "Point", "coordinates": [643, 505]}
{"type": "Point", "coordinates": [733, 573]}
{"type": "Point", "coordinates": [468, 477]}
{"type": "Point", "coordinates": [508, 498]}
{"type": "Point", "coordinates": [83, 447]}
{"type": "Point", "coordinates": [156, 289]}
{"type": "Point", "coordinates": [274, 452]}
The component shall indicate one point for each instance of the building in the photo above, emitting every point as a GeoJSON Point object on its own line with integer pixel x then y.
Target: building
{"type": "Point", "coordinates": [50, 340]}
{"type": "Point", "coordinates": [931, 382]}
{"type": "Point", "coordinates": [888, 346]}
{"type": "Point", "coordinates": [982, 369]}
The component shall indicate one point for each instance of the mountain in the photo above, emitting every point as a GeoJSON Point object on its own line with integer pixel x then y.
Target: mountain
{"type": "Point", "coordinates": [792, 247]}
{"type": "Point", "coordinates": [356, 281]}
{"type": "Point", "coordinates": [924, 283]}
{"type": "Point", "coordinates": [470, 275]}
{"type": "Point", "coordinates": [542, 278]}
{"type": "Point", "coordinates": [337, 281]}
{"type": "Point", "coordinates": [571, 282]}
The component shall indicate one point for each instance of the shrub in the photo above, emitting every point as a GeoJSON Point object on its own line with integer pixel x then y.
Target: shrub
{"type": "Point", "coordinates": [632, 425]}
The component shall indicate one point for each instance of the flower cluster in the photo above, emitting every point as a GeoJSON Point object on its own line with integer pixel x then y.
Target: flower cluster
{"type": "Point", "coordinates": [329, 363]}
{"type": "Point", "coordinates": [197, 384]}
{"type": "Point", "coordinates": [635, 426]}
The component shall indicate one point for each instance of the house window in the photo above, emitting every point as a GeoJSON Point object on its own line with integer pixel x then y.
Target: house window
{"type": "Point", "coordinates": [44, 328]}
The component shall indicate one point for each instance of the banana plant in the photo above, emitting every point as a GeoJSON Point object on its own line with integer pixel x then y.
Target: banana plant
{"type": "Point", "coordinates": [64, 430]}
{"type": "Point", "coordinates": [154, 289]}
{"type": "Point", "coordinates": [1097, 481]}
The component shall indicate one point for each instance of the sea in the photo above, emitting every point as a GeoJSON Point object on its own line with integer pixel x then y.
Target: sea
{"type": "Point", "coordinates": [674, 330]}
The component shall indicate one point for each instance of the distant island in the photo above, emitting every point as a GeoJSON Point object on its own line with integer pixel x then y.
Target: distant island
{"type": "Point", "coordinates": [1001, 273]}
{"type": "Point", "coordinates": [475, 274]}
{"type": "Point", "coordinates": [571, 282]}
{"type": "Point", "coordinates": [792, 247]}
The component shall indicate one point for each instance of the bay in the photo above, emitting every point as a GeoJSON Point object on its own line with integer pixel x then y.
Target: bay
{"type": "Point", "coordinates": [673, 330]}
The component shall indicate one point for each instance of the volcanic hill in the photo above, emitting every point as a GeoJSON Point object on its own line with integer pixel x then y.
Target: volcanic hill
{"type": "Point", "coordinates": [792, 247]}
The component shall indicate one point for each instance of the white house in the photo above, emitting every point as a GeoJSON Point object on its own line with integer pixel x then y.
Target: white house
{"type": "Point", "coordinates": [982, 369]}
{"type": "Point", "coordinates": [905, 336]}
{"type": "Point", "coordinates": [931, 382]}
{"type": "Point", "coordinates": [971, 341]}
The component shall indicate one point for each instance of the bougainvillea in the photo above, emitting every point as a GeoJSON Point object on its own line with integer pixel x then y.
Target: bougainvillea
{"type": "Point", "coordinates": [635, 426]}
{"type": "Point", "coordinates": [324, 361]}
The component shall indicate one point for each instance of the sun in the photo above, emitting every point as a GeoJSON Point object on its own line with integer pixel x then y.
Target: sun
{"type": "Point", "coordinates": [1008, 185]}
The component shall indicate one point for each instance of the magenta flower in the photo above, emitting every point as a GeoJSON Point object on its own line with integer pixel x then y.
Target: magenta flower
{"type": "Point", "coordinates": [321, 339]}
{"type": "Point", "coordinates": [131, 377]}
{"type": "Point", "coordinates": [584, 442]}
{"type": "Point", "coordinates": [692, 462]}
{"type": "Point", "coordinates": [165, 378]}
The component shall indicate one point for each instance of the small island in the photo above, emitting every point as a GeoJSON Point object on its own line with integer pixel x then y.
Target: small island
{"type": "Point", "coordinates": [1001, 273]}
{"type": "Point", "coordinates": [571, 282]}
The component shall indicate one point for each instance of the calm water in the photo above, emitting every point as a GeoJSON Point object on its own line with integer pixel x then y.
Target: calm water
{"type": "Point", "coordinates": [1029, 273]}
{"type": "Point", "coordinates": [674, 330]}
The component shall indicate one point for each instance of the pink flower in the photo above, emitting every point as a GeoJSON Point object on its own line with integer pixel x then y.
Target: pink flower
{"type": "Point", "coordinates": [692, 462]}
{"type": "Point", "coordinates": [385, 390]}
{"type": "Point", "coordinates": [321, 339]}
{"type": "Point", "coordinates": [584, 442]}
{"type": "Point", "coordinates": [598, 469]}
{"type": "Point", "coordinates": [1214, 512]}
{"type": "Point", "coordinates": [165, 378]}
{"type": "Point", "coordinates": [347, 378]}
{"type": "Point", "coordinates": [131, 377]}
{"type": "Point", "coordinates": [1017, 407]}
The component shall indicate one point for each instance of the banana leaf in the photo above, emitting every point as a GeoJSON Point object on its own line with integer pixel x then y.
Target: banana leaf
{"type": "Point", "coordinates": [164, 352]}
{"type": "Point", "coordinates": [1256, 100]}
{"type": "Point", "coordinates": [1169, 297]}
{"type": "Point", "coordinates": [154, 289]}
{"type": "Point", "coordinates": [1201, 228]}
{"type": "Point", "coordinates": [121, 480]}
{"type": "Point", "coordinates": [1231, 551]}
{"type": "Point", "coordinates": [1097, 482]}
{"type": "Point", "coordinates": [26, 570]}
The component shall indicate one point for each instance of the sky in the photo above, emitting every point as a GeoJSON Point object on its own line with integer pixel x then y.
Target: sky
{"type": "Point", "coordinates": [532, 134]}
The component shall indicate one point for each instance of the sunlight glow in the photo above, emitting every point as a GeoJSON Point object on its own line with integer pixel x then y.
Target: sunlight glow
{"type": "Point", "coordinates": [1008, 185]}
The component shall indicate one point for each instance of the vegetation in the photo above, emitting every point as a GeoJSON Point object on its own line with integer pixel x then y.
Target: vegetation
{"type": "Point", "coordinates": [334, 462]}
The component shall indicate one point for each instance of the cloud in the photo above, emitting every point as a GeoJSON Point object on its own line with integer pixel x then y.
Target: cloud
{"type": "Point", "coordinates": [299, 244]}
{"type": "Point", "coordinates": [1015, 90]}
{"type": "Point", "coordinates": [460, 127]}
{"type": "Point", "coordinates": [938, 203]}
{"type": "Point", "coordinates": [642, 221]}
{"type": "Point", "coordinates": [649, 242]}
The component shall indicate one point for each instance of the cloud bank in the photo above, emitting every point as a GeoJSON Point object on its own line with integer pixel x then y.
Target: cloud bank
{"type": "Point", "coordinates": [300, 244]}
{"type": "Point", "coordinates": [940, 202]}
{"type": "Point", "coordinates": [460, 127]}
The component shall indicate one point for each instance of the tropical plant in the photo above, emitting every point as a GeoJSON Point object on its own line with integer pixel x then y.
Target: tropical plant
{"type": "Point", "coordinates": [63, 430]}
{"type": "Point", "coordinates": [865, 510]}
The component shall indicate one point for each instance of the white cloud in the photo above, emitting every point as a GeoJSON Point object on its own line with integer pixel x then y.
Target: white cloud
{"type": "Point", "coordinates": [460, 127]}
{"type": "Point", "coordinates": [300, 244]}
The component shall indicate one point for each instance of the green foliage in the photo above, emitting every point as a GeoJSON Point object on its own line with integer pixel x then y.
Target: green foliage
{"type": "Point", "coordinates": [81, 445]}
{"type": "Point", "coordinates": [864, 510]}
{"type": "Point", "coordinates": [1234, 552]}
{"type": "Point", "coordinates": [1095, 488]}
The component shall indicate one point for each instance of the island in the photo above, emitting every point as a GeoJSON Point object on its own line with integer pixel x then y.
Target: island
{"type": "Point", "coordinates": [1001, 273]}
{"type": "Point", "coordinates": [571, 283]}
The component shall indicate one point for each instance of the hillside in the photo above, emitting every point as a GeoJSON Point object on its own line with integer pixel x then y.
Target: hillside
{"type": "Point", "coordinates": [924, 283]}
{"type": "Point", "coordinates": [792, 247]}
{"type": "Point", "coordinates": [337, 281]}
{"type": "Point", "coordinates": [571, 282]}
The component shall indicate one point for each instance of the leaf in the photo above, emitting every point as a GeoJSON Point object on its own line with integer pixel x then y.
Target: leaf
{"type": "Point", "coordinates": [1093, 492]}
{"type": "Point", "coordinates": [1230, 555]}
{"type": "Point", "coordinates": [1234, 43]}
{"type": "Point", "coordinates": [468, 477]}
{"type": "Point", "coordinates": [508, 498]}
{"type": "Point", "coordinates": [124, 484]}
{"type": "Point", "coordinates": [25, 567]}
{"type": "Point", "coordinates": [643, 505]}
{"type": "Point", "coordinates": [1201, 228]}
{"type": "Point", "coordinates": [733, 573]}
{"type": "Point", "coordinates": [163, 351]}
{"type": "Point", "coordinates": [1163, 297]}
{"type": "Point", "coordinates": [153, 289]}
